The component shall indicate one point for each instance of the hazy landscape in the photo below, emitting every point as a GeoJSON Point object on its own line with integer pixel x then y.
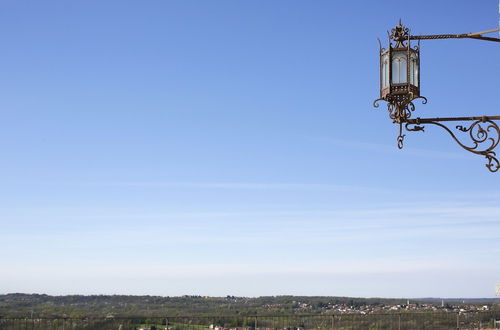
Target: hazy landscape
{"type": "Point", "coordinates": [28, 305]}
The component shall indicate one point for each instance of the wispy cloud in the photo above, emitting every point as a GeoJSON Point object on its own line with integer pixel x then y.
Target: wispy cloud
{"type": "Point", "coordinates": [374, 266]}
{"type": "Point", "coordinates": [420, 212]}
{"type": "Point", "coordinates": [385, 148]}
{"type": "Point", "coordinates": [239, 185]}
{"type": "Point", "coordinates": [314, 226]}
{"type": "Point", "coordinates": [484, 195]}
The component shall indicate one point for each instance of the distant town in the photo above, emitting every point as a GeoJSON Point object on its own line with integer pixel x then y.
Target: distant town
{"type": "Point", "coordinates": [24, 305]}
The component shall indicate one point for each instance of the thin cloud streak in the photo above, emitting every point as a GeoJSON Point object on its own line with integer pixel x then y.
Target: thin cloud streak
{"type": "Point", "coordinates": [376, 266]}
{"type": "Point", "coordinates": [377, 147]}
{"type": "Point", "coordinates": [241, 186]}
{"type": "Point", "coordinates": [482, 195]}
{"type": "Point", "coordinates": [304, 229]}
{"type": "Point", "coordinates": [409, 211]}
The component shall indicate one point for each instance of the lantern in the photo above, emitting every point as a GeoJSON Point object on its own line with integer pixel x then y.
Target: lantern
{"type": "Point", "coordinates": [399, 68]}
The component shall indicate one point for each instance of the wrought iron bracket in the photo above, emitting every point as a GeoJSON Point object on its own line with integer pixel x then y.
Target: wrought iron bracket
{"type": "Point", "coordinates": [484, 135]}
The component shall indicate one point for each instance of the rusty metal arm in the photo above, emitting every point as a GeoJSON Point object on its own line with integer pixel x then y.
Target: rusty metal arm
{"type": "Point", "coordinates": [475, 35]}
{"type": "Point", "coordinates": [418, 121]}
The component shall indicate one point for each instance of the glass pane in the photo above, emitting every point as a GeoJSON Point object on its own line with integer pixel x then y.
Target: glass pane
{"type": "Point", "coordinates": [414, 69]}
{"type": "Point", "coordinates": [399, 68]}
{"type": "Point", "coordinates": [385, 71]}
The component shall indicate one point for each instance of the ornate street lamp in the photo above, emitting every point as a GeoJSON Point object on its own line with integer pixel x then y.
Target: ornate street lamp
{"type": "Point", "coordinates": [400, 86]}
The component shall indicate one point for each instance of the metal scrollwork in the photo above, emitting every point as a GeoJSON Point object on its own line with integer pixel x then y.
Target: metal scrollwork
{"type": "Point", "coordinates": [484, 135]}
{"type": "Point", "coordinates": [414, 128]}
{"type": "Point", "coordinates": [493, 164]}
{"type": "Point", "coordinates": [401, 138]}
{"type": "Point", "coordinates": [424, 99]}
{"type": "Point", "coordinates": [400, 110]}
{"type": "Point", "coordinates": [375, 103]}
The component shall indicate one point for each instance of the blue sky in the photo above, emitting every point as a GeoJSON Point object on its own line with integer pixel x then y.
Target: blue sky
{"type": "Point", "coordinates": [230, 147]}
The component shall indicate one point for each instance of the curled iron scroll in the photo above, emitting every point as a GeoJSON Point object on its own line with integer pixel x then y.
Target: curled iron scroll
{"type": "Point", "coordinates": [484, 135]}
{"type": "Point", "coordinates": [400, 110]}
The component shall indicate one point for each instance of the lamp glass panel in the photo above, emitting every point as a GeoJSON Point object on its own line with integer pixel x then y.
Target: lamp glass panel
{"type": "Point", "coordinates": [399, 66]}
{"type": "Point", "coordinates": [414, 69]}
{"type": "Point", "coordinates": [385, 70]}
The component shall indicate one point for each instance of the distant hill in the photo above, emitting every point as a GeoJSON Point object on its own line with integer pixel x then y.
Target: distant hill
{"type": "Point", "coordinates": [42, 305]}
